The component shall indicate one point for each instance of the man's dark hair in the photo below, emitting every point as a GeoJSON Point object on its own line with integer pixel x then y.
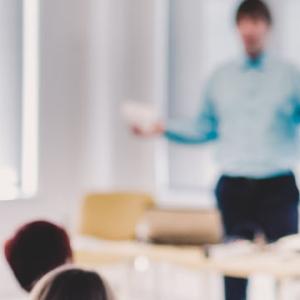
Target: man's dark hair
{"type": "Point", "coordinates": [256, 9]}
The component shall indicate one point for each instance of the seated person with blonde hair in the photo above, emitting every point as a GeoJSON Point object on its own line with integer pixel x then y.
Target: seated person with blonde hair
{"type": "Point", "coordinates": [71, 283]}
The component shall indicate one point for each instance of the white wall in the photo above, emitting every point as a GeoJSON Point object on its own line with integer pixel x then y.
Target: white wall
{"type": "Point", "coordinates": [135, 77]}
{"type": "Point", "coordinates": [88, 66]}
{"type": "Point", "coordinates": [122, 53]}
{"type": "Point", "coordinates": [62, 94]}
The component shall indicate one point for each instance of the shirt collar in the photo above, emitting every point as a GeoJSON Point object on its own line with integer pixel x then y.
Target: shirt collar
{"type": "Point", "coordinates": [257, 63]}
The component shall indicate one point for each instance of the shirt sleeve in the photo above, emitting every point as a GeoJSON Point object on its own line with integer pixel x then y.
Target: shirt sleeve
{"type": "Point", "coordinates": [199, 130]}
{"type": "Point", "coordinates": [296, 96]}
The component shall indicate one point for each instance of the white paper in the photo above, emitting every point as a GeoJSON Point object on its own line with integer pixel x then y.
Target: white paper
{"type": "Point", "coordinates": [288, 244]}
{"type": "Point", "coordinates": [231, 249]}
{"type": "Point", "coordinates": [137, 113]}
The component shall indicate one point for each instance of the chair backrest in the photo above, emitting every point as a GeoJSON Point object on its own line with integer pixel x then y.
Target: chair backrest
{"type": "Point", "coordinates": [113, 216]}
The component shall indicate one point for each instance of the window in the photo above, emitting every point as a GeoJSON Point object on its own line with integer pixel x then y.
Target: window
{"type": "Point", "coordinates": [202, 36]}
{"type": "Point", "coordinates": [18, 98]}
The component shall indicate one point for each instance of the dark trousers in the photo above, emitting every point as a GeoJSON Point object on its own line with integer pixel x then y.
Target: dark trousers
{"type": "Point", "coordinates": [249, 206]}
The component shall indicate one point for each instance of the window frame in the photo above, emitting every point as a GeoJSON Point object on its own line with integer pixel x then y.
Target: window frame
{"type": "Point", "coordinates": [28, 174]}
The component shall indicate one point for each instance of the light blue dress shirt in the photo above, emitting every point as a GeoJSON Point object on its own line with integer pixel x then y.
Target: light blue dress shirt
{"type": "Point", "coordinates": [251, 108]}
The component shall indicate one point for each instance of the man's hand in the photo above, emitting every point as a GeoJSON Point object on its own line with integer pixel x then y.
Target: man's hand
{"type": "Point", "coordinates": [157, 129]}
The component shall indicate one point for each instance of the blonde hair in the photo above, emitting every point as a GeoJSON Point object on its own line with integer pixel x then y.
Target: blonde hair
{"type": "Point", "coordinates": [43, 286]}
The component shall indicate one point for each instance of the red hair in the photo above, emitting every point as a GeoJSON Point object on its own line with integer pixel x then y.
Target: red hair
{"type": "Point", "coordinates": [35, 249]}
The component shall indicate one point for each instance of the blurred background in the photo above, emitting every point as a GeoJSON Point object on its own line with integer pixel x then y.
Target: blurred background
{"type": "Point", "coordinates": [66, 67]}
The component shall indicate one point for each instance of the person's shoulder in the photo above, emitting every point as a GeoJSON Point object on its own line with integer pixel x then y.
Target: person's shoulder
{"type": "Point", "coordinates": [227, 66]}
{"type": "Point", "coordinates": [293, 68]}
{"type": "Point", "coordinates": [285, 65]}
{"type": "Point", "coordinates": [224, 69]}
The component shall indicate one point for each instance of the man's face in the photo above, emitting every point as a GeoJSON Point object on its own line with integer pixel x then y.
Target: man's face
{"type": "Point", "coordinates": [254, 34]}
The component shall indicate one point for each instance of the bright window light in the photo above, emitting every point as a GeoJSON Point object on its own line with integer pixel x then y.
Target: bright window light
{"type": "Point", "coordinates": [19, 100]}
{"type": "Point", "coordinates": [30, 98]}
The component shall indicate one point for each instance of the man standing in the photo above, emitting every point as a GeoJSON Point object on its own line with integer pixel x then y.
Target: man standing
{"type": "Point", "coordinates": [252, 109]}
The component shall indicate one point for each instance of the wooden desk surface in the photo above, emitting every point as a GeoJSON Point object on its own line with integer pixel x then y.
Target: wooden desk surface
{"type": "Point", "coordinates": [269, 263]}
{"type": "Point", "coordinates": [109, 252]}
{"type": "Point", "coordinates": [242, 266]}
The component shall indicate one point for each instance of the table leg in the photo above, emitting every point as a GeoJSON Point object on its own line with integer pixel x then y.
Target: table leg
{"type": "Point", "coordinates": [279, 289]}
{"type": "Point", "coordinates": [206, 287]}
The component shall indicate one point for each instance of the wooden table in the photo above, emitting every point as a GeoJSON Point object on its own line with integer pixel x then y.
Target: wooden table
{"type": "Point", "coordinates": [278, 265]}
{"type": "Point", "coordinates": [109, 252]}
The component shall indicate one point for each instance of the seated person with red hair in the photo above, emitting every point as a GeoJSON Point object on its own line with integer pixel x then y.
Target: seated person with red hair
{"type": "Point", "coordinates": [35, 249]}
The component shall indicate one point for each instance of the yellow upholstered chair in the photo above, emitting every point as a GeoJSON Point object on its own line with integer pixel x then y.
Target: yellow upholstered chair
{"type": "Point", "coordinates": [113, 216]}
